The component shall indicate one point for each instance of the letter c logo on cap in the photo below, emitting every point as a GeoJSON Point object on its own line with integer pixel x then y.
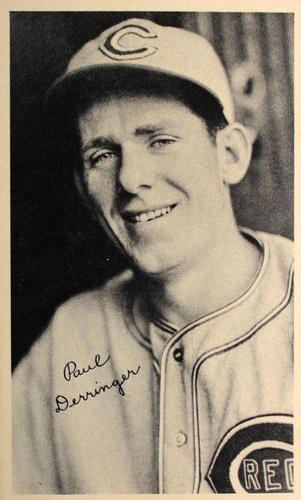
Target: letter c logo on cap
{"type": "Point", "coordinates": [133, 47]}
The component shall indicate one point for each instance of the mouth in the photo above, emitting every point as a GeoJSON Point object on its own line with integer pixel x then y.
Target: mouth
{"type": "Point", "coordinates": [136, 218]}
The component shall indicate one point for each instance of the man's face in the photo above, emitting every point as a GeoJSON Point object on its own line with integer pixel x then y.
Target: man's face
{"type": "Point", "coordinates": [151, 170]}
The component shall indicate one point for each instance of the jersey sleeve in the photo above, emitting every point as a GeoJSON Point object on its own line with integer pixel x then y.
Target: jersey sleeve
{"type": "Point", "coordinates": [34, 462]}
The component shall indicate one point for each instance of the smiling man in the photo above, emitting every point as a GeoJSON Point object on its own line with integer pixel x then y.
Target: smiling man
{"type": "Point", "coordinates": [181, 367]}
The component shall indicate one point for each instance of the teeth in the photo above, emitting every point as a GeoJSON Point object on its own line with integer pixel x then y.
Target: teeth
{"type": "Point", "coordinates": [153, 214]}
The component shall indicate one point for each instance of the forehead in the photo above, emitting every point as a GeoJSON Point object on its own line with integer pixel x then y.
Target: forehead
{"type": "Point", "coordinates": [135, 109]}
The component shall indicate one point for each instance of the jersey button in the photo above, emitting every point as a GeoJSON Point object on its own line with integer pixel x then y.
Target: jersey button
{"type": "Point", "coordinates": [181, 439]}
{"type": "Point", "coordinates": [178, 354]}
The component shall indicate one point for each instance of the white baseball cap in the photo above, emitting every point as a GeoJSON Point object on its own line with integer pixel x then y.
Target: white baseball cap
{"type": "Point", "coordinates": [143, 44]}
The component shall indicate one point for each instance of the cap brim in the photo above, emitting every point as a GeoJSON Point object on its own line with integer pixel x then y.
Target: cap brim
{"type": "Point", "coordinates": [76, 87]}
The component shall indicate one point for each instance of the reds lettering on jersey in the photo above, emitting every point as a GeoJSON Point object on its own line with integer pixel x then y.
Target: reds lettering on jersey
{"type": "Point", "coordinates": [256, 456]}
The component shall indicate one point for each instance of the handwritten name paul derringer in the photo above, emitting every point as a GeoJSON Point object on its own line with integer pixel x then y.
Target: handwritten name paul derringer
{"type": "Point", "coordinates": [72, 371]}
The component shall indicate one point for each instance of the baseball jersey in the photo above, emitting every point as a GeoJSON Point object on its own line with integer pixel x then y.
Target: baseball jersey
{"type": "Point", "coordinates": [113, 400]}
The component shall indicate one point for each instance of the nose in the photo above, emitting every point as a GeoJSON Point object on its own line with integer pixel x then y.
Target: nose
{"type": "Point", "coordinates": [136, 171]}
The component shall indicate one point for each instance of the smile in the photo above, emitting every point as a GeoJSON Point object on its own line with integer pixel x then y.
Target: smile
{"type": "Point", "coordinates": [151, 215]}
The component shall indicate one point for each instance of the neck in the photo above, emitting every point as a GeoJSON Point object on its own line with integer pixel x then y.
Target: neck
{"type": "Point", "coordinates": [217, 278]}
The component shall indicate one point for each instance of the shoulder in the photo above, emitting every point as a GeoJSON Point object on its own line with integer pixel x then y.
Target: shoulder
{"type": "Point", "coordinates": [278, 251]}
{"type": "Point", "coordinates": [272, 305]}
{"type": "Point", "coordinates": [282, 246]}
{"type": "Point", "coordinates": [83, 322]}
{"type": "Point", "coordinates": [94, 301]}
{"type": "Point", "coordinates": [280, 257]}
{"type": "Point", "coordinates": [274, 283]}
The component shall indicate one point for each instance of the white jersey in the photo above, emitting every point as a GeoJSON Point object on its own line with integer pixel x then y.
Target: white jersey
{"type": "Point", "coordinates": [111, 401]}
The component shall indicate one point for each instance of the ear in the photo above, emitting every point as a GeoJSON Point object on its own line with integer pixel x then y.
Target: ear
{"type": "Point", "coordinates": [234, 148]}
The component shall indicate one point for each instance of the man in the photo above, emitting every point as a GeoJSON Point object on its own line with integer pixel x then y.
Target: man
{"type": "Point", "coordinates": [176, 376]}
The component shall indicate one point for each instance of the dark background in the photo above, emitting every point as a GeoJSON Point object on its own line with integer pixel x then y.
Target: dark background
{"type": "Point", "coordinates": [56, 249]}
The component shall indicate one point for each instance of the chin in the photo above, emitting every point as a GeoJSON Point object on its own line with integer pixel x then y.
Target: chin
{"type": "Point", "coordinates": [153, 266]}
{"type": "Point", "coordinates": [153, 259]}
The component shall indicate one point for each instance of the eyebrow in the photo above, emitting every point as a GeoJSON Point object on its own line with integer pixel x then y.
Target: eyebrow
{"type": "Point", "coordinates": [109, 142]}
{"type": "Point", "coordinates": [150, 128]}
{"type": "Point", "coordinates": [99, 142]}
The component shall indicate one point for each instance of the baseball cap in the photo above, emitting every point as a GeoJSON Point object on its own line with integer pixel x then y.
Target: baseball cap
{"type": "Point", "coordinates": [141, 44]}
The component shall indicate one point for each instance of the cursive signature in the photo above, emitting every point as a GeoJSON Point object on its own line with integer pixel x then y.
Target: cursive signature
{"type": "Point", "coordinates": [71, 370]}
{"type": "Point", "coordinates": [63, 403]}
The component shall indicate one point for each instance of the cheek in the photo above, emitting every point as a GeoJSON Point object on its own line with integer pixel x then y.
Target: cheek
{"type": "Point", "coordinates": [101, 189]}
{"type": "Point", "coordinates": [197, 172]}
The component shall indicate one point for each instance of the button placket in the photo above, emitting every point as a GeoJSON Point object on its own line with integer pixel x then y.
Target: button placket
{"type": "Point", "coordinates": [181, 439]}
{"type": "Point", "coordinates": [177, 452]}
{"type": "Point", "coordinates": [178, 354]}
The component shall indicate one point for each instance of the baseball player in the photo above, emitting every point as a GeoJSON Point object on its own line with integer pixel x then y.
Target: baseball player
{"type": "Point", "coordinates": [176, 376]}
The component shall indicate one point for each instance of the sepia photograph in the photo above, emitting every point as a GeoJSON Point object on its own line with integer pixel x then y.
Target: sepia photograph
{"type": "Point", "coordinates": [152, 228]}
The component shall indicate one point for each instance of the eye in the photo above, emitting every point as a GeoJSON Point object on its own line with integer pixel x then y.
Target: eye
{"type": "Point", "coordinates": [162, 142]}
{"type": "Point", "coordinates": [103, 159]}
